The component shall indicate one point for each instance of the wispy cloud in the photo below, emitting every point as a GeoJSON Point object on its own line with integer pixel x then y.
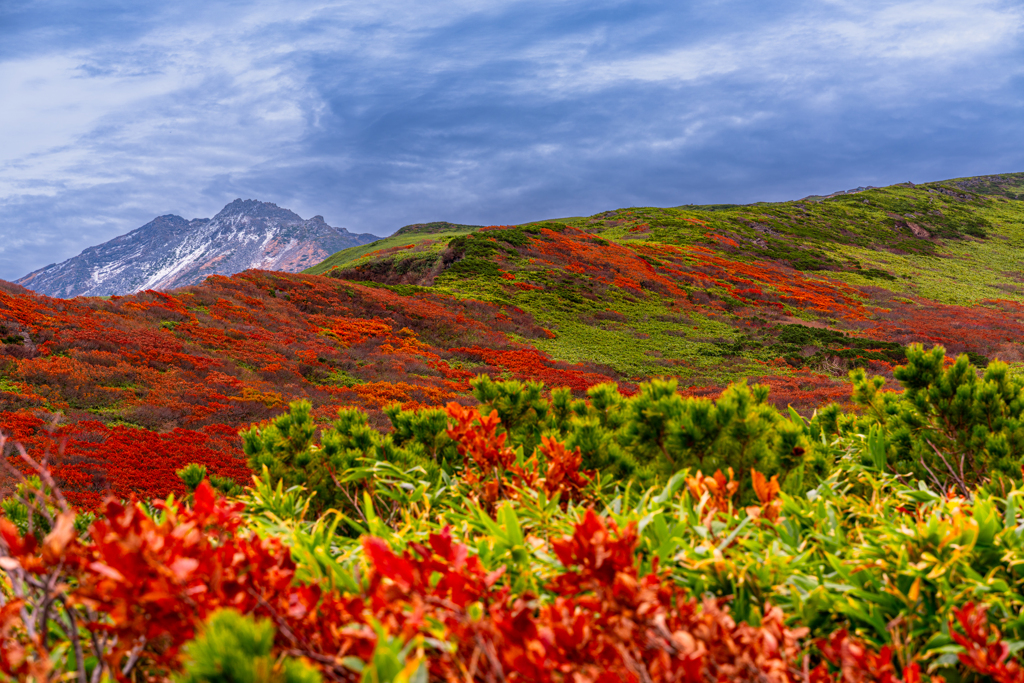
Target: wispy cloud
{"type": "Point", "coordinates": [381, 114]}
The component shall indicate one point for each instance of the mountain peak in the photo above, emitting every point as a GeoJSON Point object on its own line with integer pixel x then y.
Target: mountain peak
{"type": "Point", "coordinates": [170, 251]}
{"type": "Point", "coordinates": [254, 208]}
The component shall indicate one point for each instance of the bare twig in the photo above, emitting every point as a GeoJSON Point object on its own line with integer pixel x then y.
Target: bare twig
{"type": "Point", "coordinates": [935, 478]}
{"type": "Point", "coordinates": [637, 668]}
{"type": "Point", "coordinates": [474, 661]}
{"type": "Point", "coordinates": [45, 477]}
{"type": "Point", "coordinates": [492, 657]}
{"type": "Point", "coordinates": [40, 497]}
{"type": "Point", "coordinates": [49, 595]}
{"type": "Point", "coordinates": [281, 623]}
{"type": "Point", "coordinates": [99, 645]}
{"type": "Point", "coordinates": [957, 477]}
{"type": "Point", "coordinates": [76, 640]}
{"type": "Point", "coordinates": [134, 657]}
{"type": "Point", "coordinates": [348, 494]}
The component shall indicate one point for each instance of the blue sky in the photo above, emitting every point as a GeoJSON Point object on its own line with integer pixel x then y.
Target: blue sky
{"type": "Point", "coordinates": [376, 115]}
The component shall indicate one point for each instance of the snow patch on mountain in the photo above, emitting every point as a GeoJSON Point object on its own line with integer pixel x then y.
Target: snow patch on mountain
{"type": "Point", "coordinates": [170, 251]}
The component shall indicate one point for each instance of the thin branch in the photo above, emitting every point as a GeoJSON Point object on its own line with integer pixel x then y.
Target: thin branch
{"type": "Point", "coordinates": [99, 648]}
{"type": "Point", "coordinates": [76, 640]}
{"type": "Point", "coordinates": [45, 477]}
{"type": "Point", "coordinates": [935, 478]}
{"type": "Point", "coordinates": [474, 661]}
{"type": "Point", "coordinates": [492, 656]}
{"type": "Point", "coordinates": [133, 659]}
{"type": "Point", "coordinates": [639, 669]}
{"type": "Point", "coordinates": [958, 478]}
{"type": "Point", "coordinates": [348, 494]}
{"type": "Point", "coordinates": [281, 624]}
{"type": "Point", "coordinates": [27, 622]}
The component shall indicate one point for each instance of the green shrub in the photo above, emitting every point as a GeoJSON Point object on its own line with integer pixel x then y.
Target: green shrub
{"type": "Point", "coordinates": [342, 464]}
{"type": "Point", "coordinates": [238, 649]}
{"type": "Point", "coordinates": [474, 267]}
{"type": "Point", "coordinates": [949, 427]}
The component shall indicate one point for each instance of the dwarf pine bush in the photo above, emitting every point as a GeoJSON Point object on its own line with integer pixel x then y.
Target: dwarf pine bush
{"type": "Point", "coordinates": [950, 426]}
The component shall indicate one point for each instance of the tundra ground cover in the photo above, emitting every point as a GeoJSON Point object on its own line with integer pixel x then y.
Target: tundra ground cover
{"type": "Point", "coordinates": [620, 288]}
{"type": "Point", "coordinates": [705, 296]}
{"type": "Point", "coordinates": [194, 366]}
{"type": "Point", "coordinates": [407, 243]}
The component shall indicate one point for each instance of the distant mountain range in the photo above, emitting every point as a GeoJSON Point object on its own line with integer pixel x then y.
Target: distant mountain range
{"type": "Point", "coordinates": [170, 251]}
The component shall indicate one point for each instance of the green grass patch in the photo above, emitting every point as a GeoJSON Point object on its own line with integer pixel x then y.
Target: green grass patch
{"type": "Point", "coordinates": [441, 233]}
{"type": "Point", "coordinates": [340, 378]}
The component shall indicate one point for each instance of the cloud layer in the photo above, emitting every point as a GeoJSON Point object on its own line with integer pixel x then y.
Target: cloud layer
{"type": "Point", "coordinates": [377, 115]}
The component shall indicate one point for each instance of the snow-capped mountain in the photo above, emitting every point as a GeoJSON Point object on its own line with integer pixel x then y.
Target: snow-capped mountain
{"type": "Point", "coordinates": [170, 251]}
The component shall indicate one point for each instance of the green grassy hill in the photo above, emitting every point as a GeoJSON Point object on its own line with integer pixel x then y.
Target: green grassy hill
{"type": "Point", "coordinates": [420, 238]}
{"type": "Point", "coordinates": [711, 294]}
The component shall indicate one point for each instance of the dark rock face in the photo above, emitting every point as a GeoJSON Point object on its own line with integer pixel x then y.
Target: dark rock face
{"type": "Point", "coordinates": [170, 251]}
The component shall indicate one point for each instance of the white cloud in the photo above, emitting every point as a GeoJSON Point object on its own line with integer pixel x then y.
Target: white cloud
{"type": "Point", "coordinates": [896, 42]}
{"type": "Point", "coordinates": [51, 102]}
{"type": "Point", "coordinates": [210, 98]}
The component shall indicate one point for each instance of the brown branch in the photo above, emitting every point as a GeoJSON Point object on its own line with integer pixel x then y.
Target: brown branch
{"type": "Point", "coordinates": [281, 623]}
{"type": "Point", "coordinates": [935, 478]}
{"type": "Point", "coordinates": [99, 646]}
{"type": "Point", "coordinates": [45, 477]}
{"type": "Point", "coordinates": [492, 656]}
{"type": "Point", "coordinates": [958, 478]}
{"type": "Point", "coordinates": [76, 640]}
{"type": "Point", "coordinates": [134, 657]}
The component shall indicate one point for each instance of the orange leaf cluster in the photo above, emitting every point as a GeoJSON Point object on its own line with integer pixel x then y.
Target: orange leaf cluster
{"type": "Point", "coordinates": [143, 585]}
{"type": "Point", "coordinates": [767, 491]}
{"type": "Point", "coordinates": [720, 487]}
{"type": "Point", "coordinates": [494, 471]}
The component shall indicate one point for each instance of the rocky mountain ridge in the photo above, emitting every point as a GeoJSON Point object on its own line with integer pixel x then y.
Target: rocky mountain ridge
{"type": "Point", "coordinates": [171, 251]}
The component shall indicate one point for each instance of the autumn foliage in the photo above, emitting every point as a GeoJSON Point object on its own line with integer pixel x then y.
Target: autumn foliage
{"type": "Point", "coordinates": [497, 471]}
{"type": "Point", "coordinates": [526, 461]}
{"type": "Point", "coordinates": [130, 591]}
{"type": "Point", "coordinates": [196, 365]}
{"type": "Point", "coordinates": [140, 588]}
{"type": "Point", "coordinates": [192, 367]}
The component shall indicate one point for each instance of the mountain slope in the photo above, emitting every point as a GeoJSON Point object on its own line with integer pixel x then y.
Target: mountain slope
{"type": "Point", "coordinates": [170, 251]}
{"type": "Point", "coordinates": [791, 295]}
{"type": "Point", "coordinates": [712, 294]}
{"type": "Point", "coordinates": [1004, 184]}
{"type": "Point", "coordinates": [423, 238]}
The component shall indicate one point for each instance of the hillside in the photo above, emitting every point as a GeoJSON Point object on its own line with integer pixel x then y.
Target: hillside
{"type": "Point", "coordinates": [683, 444]}
{"type": "Point", "coordinates": [711, 294]}
{"type": "Point", "coordinates": [170, 251]}
{"type": "Point", "coordinates": [422, 238]}
{"type": "Point", "coordinates": [792, 295]}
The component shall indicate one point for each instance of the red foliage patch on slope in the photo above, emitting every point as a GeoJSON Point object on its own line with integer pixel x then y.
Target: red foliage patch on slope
{"type": "Point", "coordinates": [192, 366]}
